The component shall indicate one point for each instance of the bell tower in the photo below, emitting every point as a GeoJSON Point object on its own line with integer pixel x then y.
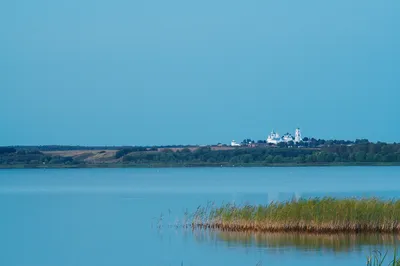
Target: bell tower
{"type": "Point", "coordinates": [297, 136]}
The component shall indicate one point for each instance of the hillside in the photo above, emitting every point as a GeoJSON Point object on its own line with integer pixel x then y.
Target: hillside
{"type": "Point", "coordinates": [180, 156]}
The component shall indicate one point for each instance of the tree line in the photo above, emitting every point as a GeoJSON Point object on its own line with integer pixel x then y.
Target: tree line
{"type": "Point", "coordinates": [329, 153]}
{"type": "Point", "coordinates": [319, 152]}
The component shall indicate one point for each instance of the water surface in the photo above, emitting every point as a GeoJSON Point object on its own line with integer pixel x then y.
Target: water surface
{"type": "Point", "coordinates": [91, 217]}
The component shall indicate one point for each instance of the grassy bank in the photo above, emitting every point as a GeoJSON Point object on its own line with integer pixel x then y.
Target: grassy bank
{"type": "Point", "coordinates": [177, 165]}
{"type": "Point", "coordinates": [326, 215]}
{"type": "Point", "coordinates": [322, 154]}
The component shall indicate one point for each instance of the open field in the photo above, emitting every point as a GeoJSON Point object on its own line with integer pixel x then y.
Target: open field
{"type": "Point", "coordinates": [87, 156]}
{"type": "Point", "coordinates": [194, 148]}
{"type": "Point", "coordinates": [79, 152]}
{"type": "Point", "coordinates": [110, 153]}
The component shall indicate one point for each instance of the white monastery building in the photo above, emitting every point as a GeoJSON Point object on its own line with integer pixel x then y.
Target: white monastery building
{"type": "Point", "coordinates": [234, 144]}
{"type": "Point", "coordinates": [275, 138]}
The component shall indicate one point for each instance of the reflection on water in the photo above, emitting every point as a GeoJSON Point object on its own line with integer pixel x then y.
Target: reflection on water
{"type": "Point", "coordinates": [86, 217]}
{"type": "Point", "coordinates": [301, 241]}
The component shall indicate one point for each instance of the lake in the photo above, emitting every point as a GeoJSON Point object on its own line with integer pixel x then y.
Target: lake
{"type": "Point", "coordinates": [120, 217]}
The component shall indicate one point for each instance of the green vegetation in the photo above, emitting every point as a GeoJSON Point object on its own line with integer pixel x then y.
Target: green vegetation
{"type": "Point", "coordinates": [32, 157]}
{"type": "Point", "coordinates": [361, 153]}
{"type": "Point", "coordinates": [122, 152]}
{"type": "Point", "coordinates": [45, 148]}
{"type": "Point", "coordinates": [326, 215]}
{"type": "Point", "coordinates": [7, 150]}
{"type": "Point", "coordinates": [313, 152]}
{"type": "Point", "coordinates": [379, 259]}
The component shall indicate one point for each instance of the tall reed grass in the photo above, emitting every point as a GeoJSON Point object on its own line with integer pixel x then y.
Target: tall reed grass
{"type": "Point", "coordinates": [379, 259]}
{"type": "Point", "coordinates": [319, 215]}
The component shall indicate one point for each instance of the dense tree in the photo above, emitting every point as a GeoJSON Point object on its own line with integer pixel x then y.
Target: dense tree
{"type": "Point", "coordinates": [282, 144]}
{"type": "Point", "coordinates": [4, 150]}
{"type": "Point", "coordinates": [247, 141]}
{"type": "Point", "coordinates": [278, 159]}
{"type": "Point", "coordinates": [360, 156]}
{"type": "Point", "coordinates": [126, 151]}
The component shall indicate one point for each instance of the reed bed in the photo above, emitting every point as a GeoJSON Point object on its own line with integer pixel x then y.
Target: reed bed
{"type": "Point", "coordinates": [315, 215]}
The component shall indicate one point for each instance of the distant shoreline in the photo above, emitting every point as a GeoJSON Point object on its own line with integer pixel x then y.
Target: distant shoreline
{"type": "Point", "coordinates": [105, 166]}
{"type": "Point", "coordinates": [359, 153]}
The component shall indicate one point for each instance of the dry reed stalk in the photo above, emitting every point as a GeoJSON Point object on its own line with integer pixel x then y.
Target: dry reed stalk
{"type": "Point", "coordinates": [326, 215]}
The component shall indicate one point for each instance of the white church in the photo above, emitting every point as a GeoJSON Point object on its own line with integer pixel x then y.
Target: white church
{"type": "Point", "coordinates": [235, 144]}
{"type": "Point", "coordinates": [275, 138]}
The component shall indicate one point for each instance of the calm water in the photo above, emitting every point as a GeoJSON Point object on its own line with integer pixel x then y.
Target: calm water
{"type": "Point", "coordinates": [93, 217]}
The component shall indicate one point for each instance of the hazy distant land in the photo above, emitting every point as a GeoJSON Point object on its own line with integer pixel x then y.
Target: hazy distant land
{"type": "Point", "coordinates": [311, 153]}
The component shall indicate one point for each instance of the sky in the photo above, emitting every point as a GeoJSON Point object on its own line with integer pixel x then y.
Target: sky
{"type": "Point", "coordinates": [153, 72]}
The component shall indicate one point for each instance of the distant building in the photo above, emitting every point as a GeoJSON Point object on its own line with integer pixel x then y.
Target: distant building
{"type": "Point", "coordinates": [287, 137]}
{"type": "Point", "coordinates": [275, 138]}
{"type": "Point", "coordinates": [234, 144]}
{"type": "Point", "coordinates": [297, 136]}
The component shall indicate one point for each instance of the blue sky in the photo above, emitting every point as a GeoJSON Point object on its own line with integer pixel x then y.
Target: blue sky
{"type": "Point", "coordinates": [97, 72]}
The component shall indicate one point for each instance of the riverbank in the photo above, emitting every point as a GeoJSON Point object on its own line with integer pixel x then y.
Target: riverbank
{"type": "Point", "coordinates": [357, 154]}
{"type": "Point", "coordinates": [193, 165]}
{"type": "Point", "coordinates": [327, 215]}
